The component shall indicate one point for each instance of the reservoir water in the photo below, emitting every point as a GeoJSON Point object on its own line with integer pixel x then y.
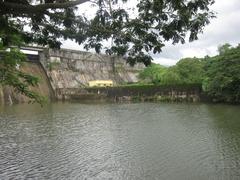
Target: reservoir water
{"type": "Point", "coordinates": [145, 141]}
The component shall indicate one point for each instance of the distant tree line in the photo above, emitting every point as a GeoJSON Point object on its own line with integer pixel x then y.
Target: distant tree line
{"type": "Point", "coordinates": [219, 76]}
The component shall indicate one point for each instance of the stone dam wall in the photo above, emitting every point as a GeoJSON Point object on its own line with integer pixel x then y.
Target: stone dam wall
{"type": "Point", "coordinates": [64, 69]}
{"type": "Point", "coordinates": [65, 74]}
{"type": "Point", "coordinates": [69, 69]}
{"type": "Point", "coordinates": [178, 93]}
{"type": "Point", "coordinates": [69, 72]}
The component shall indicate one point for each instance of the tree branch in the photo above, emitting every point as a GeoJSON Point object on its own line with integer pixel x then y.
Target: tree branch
{"type": "Point", "coordinates": [24, 8]}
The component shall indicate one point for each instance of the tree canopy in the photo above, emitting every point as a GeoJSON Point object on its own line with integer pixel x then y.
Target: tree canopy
{"type": "Point", "coordinates": [222, 78]}
{"type": "Point", "coordinates": [219, 76]}
{"type": "Point", "coordinates": [11, 74]}
{"type": "Point", "coordinates": [46, 22]}
{"type": "Point", "coordinates": [152, 74]}
{"type": "Point", "coordinates": [186, 71]}
{"type": "Point", "coordinates": [190, 70]}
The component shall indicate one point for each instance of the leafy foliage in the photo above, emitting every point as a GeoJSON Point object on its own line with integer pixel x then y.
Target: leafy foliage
{"type": "Point", "coordinates": [171, 77]}
{"type": "Point", "coordinates": [155, 22]}
{"type": "Point", "coordinates": [223, 48]}
{"type": "Point", "coordinates": [223, 76]}
{"type": "Point", "coordinates": [40, 25]}
{"type": "Point", "coordinates": [11, 75]}
{"type": "Point", "coordinates": [219, 75]}
{"type": "Point", "coordinates": [152, 74]}
{"type": "Point", "coordinates": [132, 36]}
{"type": "Point", "coordinates": [186, 71]}
{"type": "Point", "coordinates": [190, 70]}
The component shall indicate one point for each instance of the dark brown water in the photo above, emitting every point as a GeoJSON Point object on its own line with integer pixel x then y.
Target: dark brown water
{"type": "Point", "coordinates": [120, 141]}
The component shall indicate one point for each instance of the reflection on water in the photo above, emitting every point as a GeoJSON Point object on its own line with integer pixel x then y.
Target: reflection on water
{"type": "Point", "coordinates": [120, 141]}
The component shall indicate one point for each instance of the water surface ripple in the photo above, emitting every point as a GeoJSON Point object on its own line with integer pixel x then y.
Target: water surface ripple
{"type": "Point", "coordinates": [145, 141]}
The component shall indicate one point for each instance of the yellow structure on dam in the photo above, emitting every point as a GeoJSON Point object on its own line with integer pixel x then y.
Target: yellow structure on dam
{"type": "Point", "coordinates": [101, 83]}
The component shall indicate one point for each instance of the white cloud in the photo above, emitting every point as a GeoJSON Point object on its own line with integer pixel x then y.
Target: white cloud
{"type": "Point", "coordinates": [223, 29]}
{"type": "Point", "coordinates": [165, 61]}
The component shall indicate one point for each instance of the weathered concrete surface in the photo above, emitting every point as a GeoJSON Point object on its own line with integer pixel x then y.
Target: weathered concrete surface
{"type": "Point", "coordinates": [170, 93]}
{"type": "Point", "coordinates": [74, 69]}
{"type": "Point", "coordinates": [177, 93]}
{"type": "Point", "coordinates": [69, 69]}
{"type": "Point", "coordinates": [9, 96]}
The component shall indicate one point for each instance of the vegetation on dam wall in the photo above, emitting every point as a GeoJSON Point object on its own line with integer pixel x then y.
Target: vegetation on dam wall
{"type": "Point", "coordinates": [179, 93]}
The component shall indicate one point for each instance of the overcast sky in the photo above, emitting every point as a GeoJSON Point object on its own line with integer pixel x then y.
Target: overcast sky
{"type": "Point", "coordinates": [223, 29]}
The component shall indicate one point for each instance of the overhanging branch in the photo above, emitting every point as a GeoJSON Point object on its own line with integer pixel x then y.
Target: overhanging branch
{"type": "Point", "coordinates": [7, 7]}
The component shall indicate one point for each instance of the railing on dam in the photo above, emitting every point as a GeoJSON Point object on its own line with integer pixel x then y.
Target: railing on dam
{"type": "Point", "coordinates": [32, 54]}
{"type": "Point", "coordinates": [29, 58]}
